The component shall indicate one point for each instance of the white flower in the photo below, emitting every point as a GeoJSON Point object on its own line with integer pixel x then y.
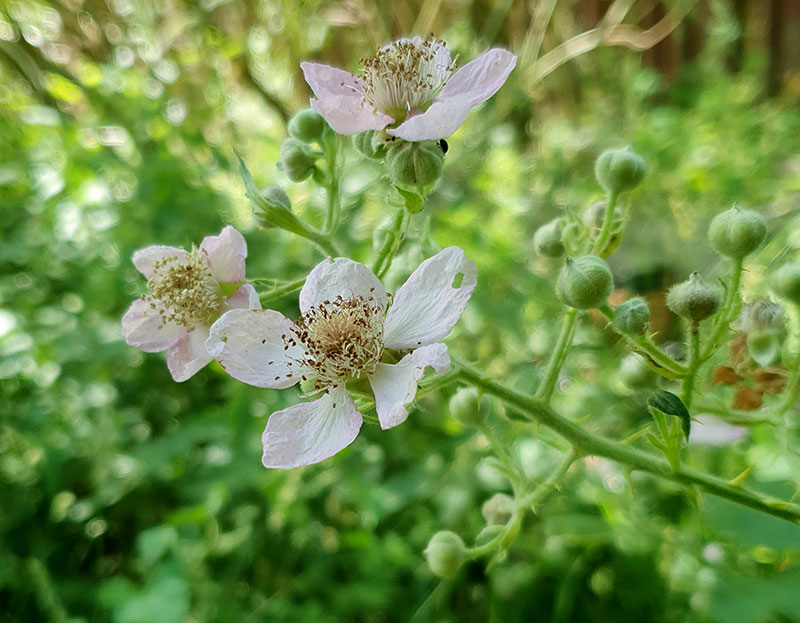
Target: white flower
{"type": "Point", "coordinates": [341, 335]}
{"type": "Point", "coordinates": [187, 292]}
{"type": "Point", "coordinates": [408, 85]}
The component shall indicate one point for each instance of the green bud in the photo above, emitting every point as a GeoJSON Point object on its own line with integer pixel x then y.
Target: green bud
{"type": "Point", "coordinates": [306, 126]}
{"type": "Point", "coordinates": [416, 165]}
{"type": "Point", "coordinates": [445, 554]}
{"type": "Point", "coordinates": [584, 282]}
{"type": "Point", "coordinates": [785, 282]}
{"type": "Point", "coordinates": [765, 348]}
{"type": "Point", "coordinates": [371, 144]}
{"type": "Point", "coordinates": [573, 236]}
{"type": "Point", "coordinates": [694, 299]}
{"type": "Point", "coordinates": [467, 407]}
{"type": "Point", "coordinates": [547, 239]}
{"type": "Point", "coordinates": [296, 160]}
{"type": "Point", "coordinates": [274, 206]}
{"type": "Point", "coordinates": [737, 232]}
{"type": "Point", "coordinates": [634, 373]}
{"type": "Point", "coordinates": [498, 509]}
{"type": "Point", "coordinates": [618, 170]}
{"type": "Point", "coordinates": [632, 316]}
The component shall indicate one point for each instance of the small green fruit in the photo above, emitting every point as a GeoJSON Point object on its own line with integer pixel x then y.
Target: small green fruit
{"type": "Point", "coordinates": [736, 233]}
{"type": "Point", "coordinates": [498, 509]}
{"type": "Point", "coordinates": [296, 161]}
{"type": "Point", "coordinates": [415, 165]}
{"type": "Point", "coordinates": [786, 282]}
{"type": "Point", "coordinates": [445, 554]}
{"type": "Point", "coordinates": [619, 170]}
{"type": "Point", "coordinates": [584, 282]}
{"type": "Point", "coordinates": [632, 316]}
{"type": "Point", "coordinates": [467, 407]}
{"type": "Point", "coordinates": [306, 126]}
{"type": "Point", "coordinates": [547, 239]}
{"type": "Point", "coordinates": [694, 299]}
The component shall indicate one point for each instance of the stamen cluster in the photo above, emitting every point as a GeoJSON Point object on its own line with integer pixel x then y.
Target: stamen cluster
{"type": "Point", "coordinates": [342, 339]}
{"type": "Point", "coordinates": [406, 75]}
{"type": "Point", "coordinates": [183, 290]}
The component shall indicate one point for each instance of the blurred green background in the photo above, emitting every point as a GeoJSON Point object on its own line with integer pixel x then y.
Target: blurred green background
{"type": "Point", "coordinates": [128, 498]}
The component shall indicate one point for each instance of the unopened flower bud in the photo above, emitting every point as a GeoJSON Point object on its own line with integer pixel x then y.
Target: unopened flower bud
{"type": "Point", "coordinates": [632, 316]}
{"type": "Point", "coordinates": [274, 205]}
{"type": "Point", "coordinates": [584, 282]}
{"type": "Point", "coordinates": [296, 161]}
{"type": "Point", "coordinates": [547, 239]}
{"type": "Point", "coordinates": [467, 407]}
{"type": "Point", "coordinates": [737, 232]}
{"type": "Point", "coordinates": [371, 144]}
{"type": "Point", "coordinates": [786, 282]}
{"type": "Point", "coordinates": [445, 554]}
{"type": "Point", "coordinates": [618, 170]}
{"type": "Point", "coordinates": [418, 164]}
{"type": "Point", "coordinates": [694, 299]}
{"type": "Point", "coordinates": [498, 509]}
{"type": "Point", "coordinates": [306, 126]}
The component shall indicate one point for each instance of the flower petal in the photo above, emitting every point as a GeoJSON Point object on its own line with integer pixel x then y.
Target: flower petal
{"type": "Point", "coordinates": [311, 432]}
{"type": "Point", "coordinates": [245, 297]}
{"type": "Point", "coordinates": [340, 277]}
{"type": "Point", "coordinates": [251, 345]}
{"type": "Point", "coordinates": [188, 355]}
{"type": "Point", "coordinates": [144, 259]}
{"type": "Point", "coordinates": [427, 306]}
{"type": "Point", "coordinates": [225, 255]}
{"type": "Point", "coordinates": [142, 327]}
{"type": "Point", "coordinates": [327, 81]}
{"type": "Point", "coordinates": [350, 114]}
{"type": "Point", "coordinates": [478, 80]}
{"type": "Point", "coordinates": [439, 121]}
{"type": "Point", "coordinates": [395, 385]}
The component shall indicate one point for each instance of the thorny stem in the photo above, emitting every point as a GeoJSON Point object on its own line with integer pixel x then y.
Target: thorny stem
{"type": "Point", "coordinates": [392, 243]}
{"type": "Point", "coordinates": [279, 290]}
{"type": "Point", "coordinates": [541, 490]}
{"type": "Point", "coordinates": [605, 232]}
{"type": "Point", "coordinates": [687, 389]}
{"type": "Point", "coordinates": [726, 314]}
{"type": "Point", "coordinates": [559, 354]}
{"type": "Point", "coordinates": [537, 410]}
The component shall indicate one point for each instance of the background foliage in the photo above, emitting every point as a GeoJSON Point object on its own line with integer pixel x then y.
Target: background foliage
{"type": "Point", "coordinates": [128, 498]}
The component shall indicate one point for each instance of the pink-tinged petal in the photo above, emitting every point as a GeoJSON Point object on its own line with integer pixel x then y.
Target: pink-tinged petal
{"type": "Point", "coordinates": [328, 81]}
{"type": "Point", "coordinates": [144, 259]}
{"type": "Point", "coordinates": [427, 306]}
{"type": "Point", "coordinates": [478, 80]}
{"type": "Point", "coordinates": [188, 355]}
{"type": "Point", "coordinates": [340, 277]}
{"type": "Point", "coordinates": [439, 121]}
{"type": "Point", "coordinates": [350, 114]}
{"type": "Point", "coordinates": [245, 297]}
{"type": "Point", "coordinates": [225, 254]}
{"type": "Point", "coordinates": [311, 432]}
{"type": "Point", "coordinates": [142, 327]}
{"type": "Point", "coordinates": [713, 431]}
{"type": "Point", "coordinates": [395, 385]}
{"type": "Point", "coordinates": [255, 347]}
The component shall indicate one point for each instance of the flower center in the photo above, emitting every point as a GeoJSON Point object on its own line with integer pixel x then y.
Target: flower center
{"type": "Point", "coordinates": [342, 338]}
{"type": "Point", "coordinates": [184, 291]}
{"type": "Point", "coordinates": [406, 75]}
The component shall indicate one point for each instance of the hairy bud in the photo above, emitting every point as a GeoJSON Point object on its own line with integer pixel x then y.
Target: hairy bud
{"type": "Point", "coordinates": [306, 126]}
{"type": "Point", "coordinates": [632, 316]}
{"type": "Point", "coordinates": [370, 144]}
{"type": "Point", "coordinates": [296, 161]}
{"type": "Point", "coordinates": [619, 170]}
{"type": "Point", "coordinates": [467, 407]}
{"type": "Point", "coordinates": [584, 282]}
{"type": "Point", "coordinates": [445, 554]}
{"type": "Point", "coordinates": [737, 232]}
{"type": "Point", "coordinates": [547, 239]}
{"type": "Point", "coordinates": [785, 282]}
{"type": "Point", "coordinates": [416, 165]}
{"type": "Point", "coordinates": [694, 299]}
{"type": "Point", "coordinates": [498, 509]}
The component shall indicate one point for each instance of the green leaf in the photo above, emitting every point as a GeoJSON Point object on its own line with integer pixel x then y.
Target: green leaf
{"type": "Point", "coordinates": [414, 202]}
{"type": "Point", "coordinates": [669, 404]}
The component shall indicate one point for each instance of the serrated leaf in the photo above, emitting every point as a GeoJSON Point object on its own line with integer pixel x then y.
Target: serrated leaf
{"type": "Point", "coordinates": [669, 404]}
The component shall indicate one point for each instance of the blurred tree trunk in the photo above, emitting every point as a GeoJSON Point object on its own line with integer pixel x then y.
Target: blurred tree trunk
{"type": "Point", "coordinates": [736, 54]}
{"type": "Point", "coordinates": [775, 39]}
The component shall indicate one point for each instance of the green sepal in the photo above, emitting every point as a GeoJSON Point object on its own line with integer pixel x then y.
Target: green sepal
{"type": "Point", "coordinates": [413, 202]}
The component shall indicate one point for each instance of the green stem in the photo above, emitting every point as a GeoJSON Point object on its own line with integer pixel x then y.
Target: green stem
{"type": "Point", "coordinates": [605, 232]}
{"type": "Point", "coordinates": [392, 243]}
{"type": "Point", "coordinates": [543, 489]}
{"type": "Point", "coordinates": [793, 393]}
{"type": "Point", "coordinates": [687, 390]}
{"type": "Point", "coordinates": [588, 443]}
{"type": "Point", "coordinates": [330, 147]}
{"type": "Point", "coordinates": [279, 291]}
{"type": "Point", "coordinates": [726, 314]}
{"type": "Point", "coordinates": [558, 356]}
